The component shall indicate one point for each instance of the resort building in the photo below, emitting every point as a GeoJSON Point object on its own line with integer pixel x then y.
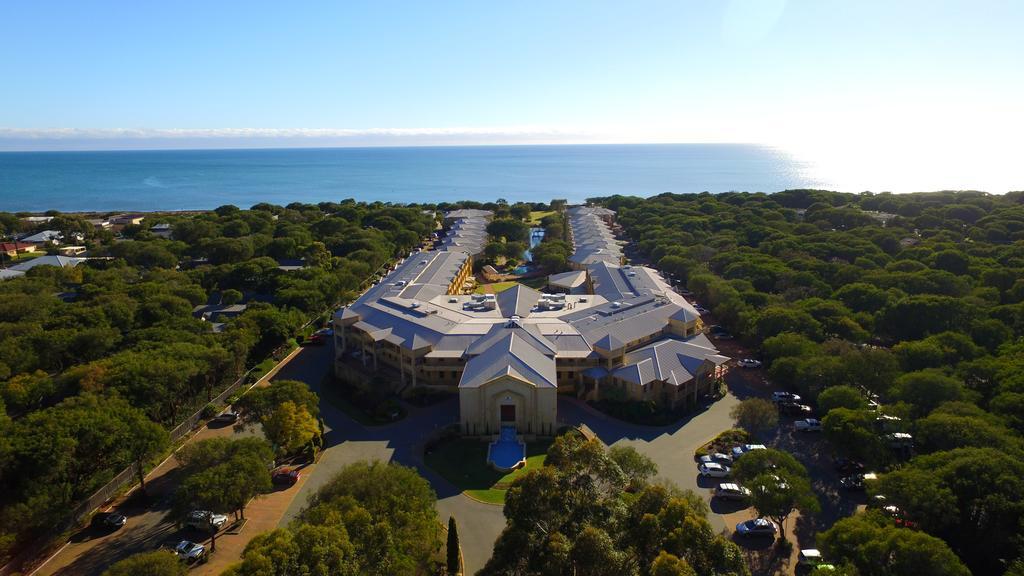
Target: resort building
{"type": "Point", "coordinates": [620, 332]}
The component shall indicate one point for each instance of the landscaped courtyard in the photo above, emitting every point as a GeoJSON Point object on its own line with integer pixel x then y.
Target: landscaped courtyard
{"type": "Point", "coordinates": [463, 462]}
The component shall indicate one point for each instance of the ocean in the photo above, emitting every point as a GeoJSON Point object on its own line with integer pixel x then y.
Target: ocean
{"type": "Point", "coordinates": [205, 179]}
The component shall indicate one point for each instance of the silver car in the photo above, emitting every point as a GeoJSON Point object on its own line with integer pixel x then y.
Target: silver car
{"type": "Point", "coordinates": [190, 551]}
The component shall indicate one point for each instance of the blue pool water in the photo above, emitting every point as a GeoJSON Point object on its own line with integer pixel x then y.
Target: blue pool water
{"type": "Point", "coordinates": [508, 451]}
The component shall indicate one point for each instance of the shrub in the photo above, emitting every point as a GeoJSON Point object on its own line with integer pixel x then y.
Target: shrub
{"type": "Point", "coordinates": [209, 411]}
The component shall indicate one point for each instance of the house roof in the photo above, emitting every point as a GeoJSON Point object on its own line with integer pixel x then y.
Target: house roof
{"type": "Point", "coordinates": [518, 300]}
{"type": "Point", "coordinates": [44, 236]}
{"type": "Point", "coordinates": [507, 333]}
{"type": "Point", "coordinates": [15, 246]}
{"type": "Point", "coordinates": [59, 261]}
{"type": "Point", "coordinates": [568, 280]}
{"type": "Point", "coordinates": [669, 360]}
{"type": "Point", "coordinates": [511, 354]}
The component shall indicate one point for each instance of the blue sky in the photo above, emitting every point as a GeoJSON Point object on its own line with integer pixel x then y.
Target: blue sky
{"type": "Point", "coordinates": [799, 74]}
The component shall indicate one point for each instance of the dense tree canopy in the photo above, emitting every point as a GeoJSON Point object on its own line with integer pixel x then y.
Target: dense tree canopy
{"type": "Point", "coordinates": [113, 335]}
{"type": "Point", "coordinates": [593, 511]}
{"type": "Point", "coordinates": [911, 301]}
{"type": "Point", "coordinates": [372, 519]}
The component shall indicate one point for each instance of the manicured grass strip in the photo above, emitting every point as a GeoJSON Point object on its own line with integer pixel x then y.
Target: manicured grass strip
{"type": "Point", "coordinates": [495, 287]}
{"type": "Point", "coordinates": [537, 216]}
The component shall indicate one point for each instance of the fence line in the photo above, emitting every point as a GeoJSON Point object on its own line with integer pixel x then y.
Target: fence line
{"type": "Point", "coordinates": [127, 476]}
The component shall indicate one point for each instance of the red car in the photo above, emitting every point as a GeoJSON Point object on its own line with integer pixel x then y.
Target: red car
{"type": "Point", "coordinates": [285, 477]}
{"type": "Point", "coordinates": [320, 337]}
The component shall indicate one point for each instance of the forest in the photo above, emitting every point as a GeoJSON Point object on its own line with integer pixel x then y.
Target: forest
{"type": "Point", "coordinates": [93, 354]}
{"type": "Point", "coordinates": [911, 302]}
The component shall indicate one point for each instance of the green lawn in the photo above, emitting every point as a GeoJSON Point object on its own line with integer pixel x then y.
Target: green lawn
{"type": "Point", "coordinates": [535, 216]}
{"type": "Point", "coordinates": [538, 283]}
{"type": "Point", "coordinates": [463, 462]}
{"type": "Point", "coordinates": [496, 287]}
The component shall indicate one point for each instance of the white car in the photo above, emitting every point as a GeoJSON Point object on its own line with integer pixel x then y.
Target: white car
{"type": "Point", "coordinates": [717, 457]}
{"type": "Point", "coordinates": [808, 425]}
{"type": "Point", "coordinates": [756, 527]}
{"type": "Point", "coordinates": [748, 363]}
{"type": "Point", "coordinates": [203, 519]}
{"type": "Point", "coordinates": [742, 449]}
{"type": "Point", "coordinates": [190, 551]}
{"type": "Point", "coordinates": [900, 440]}
{"type": "Point", "coordinates": [713, 470]}
{"type": "Point", "coordinates": [732, 491]}
{"type": "Point", "coordinates": [785, 397]}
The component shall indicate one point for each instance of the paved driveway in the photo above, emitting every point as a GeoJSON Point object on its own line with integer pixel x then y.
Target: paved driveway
{"type": "Point", "coordinates": [347, 441]}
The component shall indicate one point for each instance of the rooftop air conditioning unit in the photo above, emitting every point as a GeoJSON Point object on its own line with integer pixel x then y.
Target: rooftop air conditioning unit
{"type": "Point", "coordinates": [414, 305]}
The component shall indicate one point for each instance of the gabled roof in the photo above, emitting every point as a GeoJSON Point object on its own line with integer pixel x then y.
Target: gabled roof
{"type": "Point", "coordinates": [44, 236]}
{"type": "Point", "coordinates": [670, 360]}
{"type": "Point", "coordinates": [511, 355]}
{"type": "Point", "coordinates": [59, 261]}
{"type": "Point", "coordinates": [609, 342]}
{"type": "Point", "coordinates": [518, 300]}
{"type": "Point", "coordinates": [568, 280]}
{"type": "Point", "coordinates": [497, 332]}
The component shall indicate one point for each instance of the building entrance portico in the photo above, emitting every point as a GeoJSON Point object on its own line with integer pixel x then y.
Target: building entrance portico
{"type": "Point", "coordinates": [508, 414]}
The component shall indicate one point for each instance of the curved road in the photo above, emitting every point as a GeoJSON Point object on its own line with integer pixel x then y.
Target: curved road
{"type": "Point", "coordinates": [347, 441]}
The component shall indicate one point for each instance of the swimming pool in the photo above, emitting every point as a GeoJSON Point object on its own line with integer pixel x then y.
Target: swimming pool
{"type": "Point", "coordinates": [507, 453]}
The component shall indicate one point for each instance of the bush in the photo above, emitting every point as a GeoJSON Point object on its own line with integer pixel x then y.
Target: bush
{"type": "Point", "coordinates": [209, 411]}
{"type": "Point", "coordinates": [723, 442]}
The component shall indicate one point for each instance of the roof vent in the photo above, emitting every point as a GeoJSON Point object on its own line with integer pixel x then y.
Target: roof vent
{"type": "Point", "coordinates": [414, 305]}
{"type": "Point", "coordinates": [616, 304]}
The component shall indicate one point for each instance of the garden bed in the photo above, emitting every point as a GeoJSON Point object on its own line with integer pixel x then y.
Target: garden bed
{"type": "Point", "coordinates": [723, 442]}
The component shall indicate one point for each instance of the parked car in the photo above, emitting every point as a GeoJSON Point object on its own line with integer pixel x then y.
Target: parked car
{"type": "Point", "coordinates": [748, 363]}
{"type": "Point", "coordinates": [716, 457]}
{"type": "Point", "coordinates": [795, 409]}
{"type": "Point", "coordinates": [204, 519]}
{"type": "Point", "coordinates": [320, 336]}
{"type": "Point", "coordinates": [700, 309]}
{"type": "Point", "coordinates": [285, 477]}
{"type": "Point", "coordinates": [722, 336]}
{"type": "Point", "coordinates": [732, 491]}
{"type": "Point", "coordinates": [757, 527]}
{"type": "Point", "coordinates": [808, 425]}
{"type": "Point", "coordinates": [847, 466]}
{"type": "Point", "coordinates": [738, 451]}
{"type": "Point", "coordinates": [900, 440]}
{"type": "Point", "coordinates": [190, 551]}
{"type": "Point", "coordinates": [226, 417]}
{"type": "Point", "coordinates": [713, 470]}
{"type": "Point", "coordinates": [785, 397]}
{"type": "Point", "coordinates": [109, 520]}
{"type": "Point", "coordinates": [855, 482]}
{"type": "Point", "coordinates": [812, 558]}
